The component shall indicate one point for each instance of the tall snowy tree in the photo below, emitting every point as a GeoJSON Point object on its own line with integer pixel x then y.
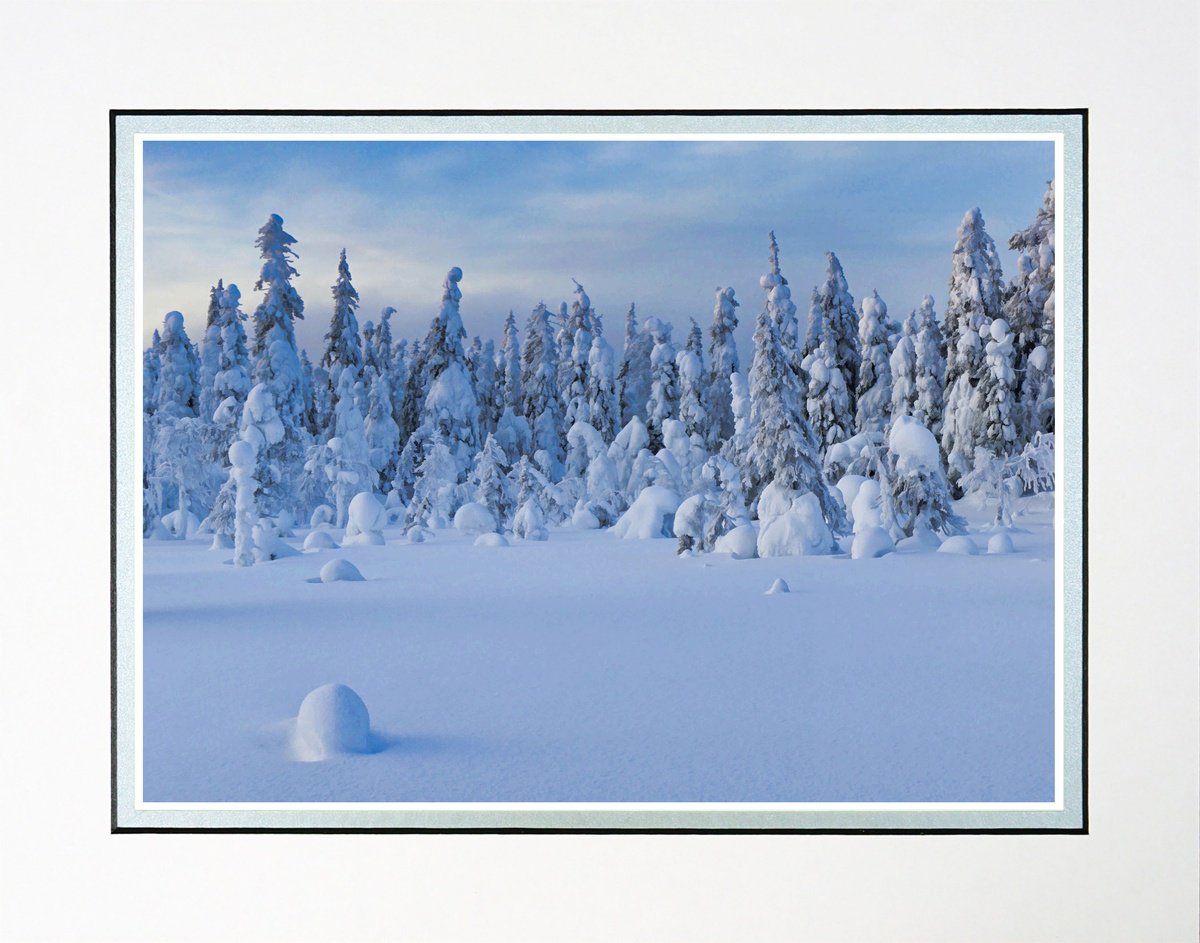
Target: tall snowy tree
{"type": "Point", "coordinates": [839, 324]}
{"type": "Point", "coordinates": [781, 306]}
{"type": "Point", "coordinates": [976, 298]}
{"type": "Point", "coordinates": [693, 387]}
{"type": "Point", "coordinates": [489, 484]}
{"type": "Point", "coordinates": [1029, 311]}
{"type": "Point", "coordinates": [997, 392]}
{"type": "Point", "coordinates": [603, 406]}
{"type": "Point", "coordinates": [812, 331]}
{"type": "Point", "coordinates": [574, 394]}
{"type": "Point", "coordinates": [381, 432]}
{"type": "Point", "coordinates": [210, 352]}
{"type": "Point", "coordinates": [783, 448]}
{"type": "Point", "coordinates": [370, 354]}
{"type": "Point", "coordinates": [663, 402]}
{"type": "Point", "coordinates": [903, 363]}
{"type": "Point", "coordinates": [828, 400]}
{"type": "Point", "coordinates": [929, 368]}
{"type": "Point", "coordinates": [277, 366]}
{"type": "Point", "coordinates": [383, 340]}
{"type": "Point", "coordinates": [343, 347]}
{"type": "Point", "coordinates": [723, 361]}
{"type": "Point", "coordinates": [179, 371]}
{"type": "Point", "coordinates": [539, 384]}
{"type": "Point", "coordinates": [508, 380]}
{"type": "Point", "coordinates": [873, 396]}
{"type": "Point", "coordinates": [633, 378]}
{"type": "Point", "coordinates": [481, 361]}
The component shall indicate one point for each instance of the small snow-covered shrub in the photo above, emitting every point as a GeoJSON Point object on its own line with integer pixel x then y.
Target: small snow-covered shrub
{"type": "Point", "coordinates": [871, 542]}
{"type": "Point", "coordinates": [799, 531]}
{"type": "Point", "coordinates": [268, 545]}
{"type": "Point", "coordinates": [922, 539]}
{"type": "Point", "coordinates": [491, 540]}
{"type": "Point", "coordinates": [583, 518]}
{"type": "Point", "coordinates": [180, 525]}
{"type": "Point", "coordinates": [365, 520]}
{"type": "Point", "coordinates": [320, 540]}
{"type": "Point", "coordinates": [1000, 543]}
{"type": "Point", "coordinates": [333, 719]}
{"type": "Point", "coordinates": [651, 515]}
{"type": "Point", "coordinates": [741, 542]}
{"type": "Point", "coordinates": [960, 544]}
{"type": "Point", "coordinates": [867, 510]}
{"type": "Point", "coordinates": [529, 523]}
{"type": "Point", "coordinates": [340, 570]}
{"type": "Point", "coordinates": [473, 519]}
{"type": "Point", "coordinates": [322, 515]}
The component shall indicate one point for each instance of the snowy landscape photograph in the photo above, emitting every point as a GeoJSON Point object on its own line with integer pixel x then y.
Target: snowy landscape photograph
{"type": "Point", "coordinates": [599, 472]}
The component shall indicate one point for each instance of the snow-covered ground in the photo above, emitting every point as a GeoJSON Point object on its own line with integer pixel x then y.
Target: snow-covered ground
{"type": "Point", "coordinates": [587, 668]}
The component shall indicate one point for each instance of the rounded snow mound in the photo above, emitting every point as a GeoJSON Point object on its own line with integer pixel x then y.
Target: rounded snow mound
{"type": "Point", "coordinates": [741, 542]}
{"type": "Point", "coordinates": [320, 540]}
{"type": "Point", "coordinates": [242, 454]}
{"type": "Point", "coordinates": [768, 281]}
{"type": "Point", "coordinates": [1000, 543]}
{"type": "Point", "coordinates": [491, 540]}
{"type": "Point", "coordinates": [960, 545]}
{"type": "Point", "coordinates": [651, 515]}
{"type": "Point", "coordinates": [415, 534]}
{"type": "Point", "coordinates": [473, 519]}
{"type": "Point", "coordinates": [340, 571]}
{"type": "Point", "coordinates": [914, 446]}
{"type": "Point", "coordinates": [333, 719]}
{"type": "Point", "coordinates": [1039, 357]}
{"type": "Point", "coordinates": [799, 531]}
{"type": "Point", "coordinates": [867, 509]}
{"type": "Point", "coordinates": [999, 330]}
{"type": "Point", "coordinates": [922, 539]}
{"type": "Point", "coordinates": [181, 526]}
{"type": "Point", "coordinates": [871, 542]}
{"type": "Point", "coordinates": [779, 586]}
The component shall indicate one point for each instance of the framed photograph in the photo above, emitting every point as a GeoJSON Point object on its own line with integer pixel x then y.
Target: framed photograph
{"type": "Point", "coordinates": [599, 471]}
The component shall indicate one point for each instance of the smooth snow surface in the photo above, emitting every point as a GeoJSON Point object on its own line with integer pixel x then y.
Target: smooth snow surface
{"type": "Point", "coordinates": [871, 542]}
{"type": "Point", "coordinates": [585, 668]}
{"type": "Point", "coordinates": [339, 570]}
{"type": "Point", "coordinates": [333, 719]}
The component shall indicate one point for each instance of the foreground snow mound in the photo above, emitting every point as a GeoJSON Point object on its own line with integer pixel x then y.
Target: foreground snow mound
{"type": "Point", "coordinates": [365, 521]}
{"type": "Point", "coordinates": [779, 586]}
{"type": "Point", "coordinates": [871, 542]}
{"type": "Point", "coordinates": [340, 571]}
{"type": "Point", "coordinates": [333, 719]}
{"type": "Point", "coordinates": [741, 542]}
{"type": "Point", "coordinates": [320, 540]}
{"type": "Point", "coordinates": [651, 515]}
{"type": "Point", "coordinates": [922, 539]}
{"type": "Point", "coordinates": [1000, 543]}
{"type": "Point", "coordinates": [473, 519]}
{"type": "Point", "coordinates": [491, 540]}
{"type": "Point", "coordinates": [960, 545]}
{"type": "Point", "coordinates": [799, 531]}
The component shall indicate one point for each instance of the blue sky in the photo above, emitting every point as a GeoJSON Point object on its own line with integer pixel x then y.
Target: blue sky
{"type": "Point", "coordinates": [659, 223]}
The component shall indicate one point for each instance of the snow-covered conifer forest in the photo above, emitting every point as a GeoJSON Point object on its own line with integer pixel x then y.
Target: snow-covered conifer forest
{"type": "Point", "coordinates": [535, 547]}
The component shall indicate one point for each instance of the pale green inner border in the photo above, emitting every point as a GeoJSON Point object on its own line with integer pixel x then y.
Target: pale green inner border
{"type": "Point", "coordinates": [1070, 439]}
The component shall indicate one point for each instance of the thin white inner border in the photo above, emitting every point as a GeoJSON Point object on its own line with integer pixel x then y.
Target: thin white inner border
{"type": "Point", "coordinates": [1057, 138]}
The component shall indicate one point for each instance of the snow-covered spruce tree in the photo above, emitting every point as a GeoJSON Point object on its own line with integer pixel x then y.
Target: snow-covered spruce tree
{"type": "Point", "coordinates": [839, 324]}
{"type": "Point", "coordinates": [723, 361]}
{"type": "Point", "coordinates": [873, 396]}
{"type": "Point", "coordinates": [827, 401]}
{"type": "Point", "coordinates": [179, 371]}
{"type": "Point", "coordinates": [435, 491]}
{"type": "Point", "coordinates": [489, 484]}
{"type": "Point", "coordinates": [783, 448]}
{"type": "Point", "coordinates": [812, 331]}
{"type": "Point", "coordinates": [1003, 480]}
{"type": "Point", "coordinates": [717, 506]}
{"type": "Point", "coordinates": [1029, 311]}
{"type": "Point", "coordinates": [529, 521]}
{"type": "Point", "coordinates": [397, 380]}
{"type": "Point", "coordinates": [383, 340]}
{"type": "Point", "coordinates": [915, 482]}
{"type": "Point", "coordinates": [508, 379]}
{"type": "Point", "coordinates": [903, 364]}
{"type": "Point", "coordinates": [781, 307]}
{"type": "Point", "coordinates": [663, 402]}
{"type": "Point", "coordinates": [735, 446]}
{"type": "Point", "coordinates": [242, 460]}
{"type": "Point", "coordinates": [346, 462]}
{"type": "Point", "coordinates": [451, 409]}
{"type": "Point", "coordinates": [413, 398]}
{"type": "Point", "coordinates": [370, 353]}
{"type": "Point", "coordinates": [693, 388]}
{"type": "Point", "coordinates": [151, 487]}
{"type": "Point", "coordinates": [277, 366]}
{"type": "Point", "coordinates": [539, 385]}
{"type": "Point", "coordinates": [308, 393]}
{"type": "Point", "coordinates": [624, 451]}
{"type": "Point", "coordinates": [181, 459]}
{"type": "Point", "coordinates": [603, 407]}
{"type": "Point", "coordinates": [262, 429]}
{"type": "Point", "coordinates": [633, 377]}
{"type": "Point", "coordinates": [929, 369]}
{"type": "Point", "coordinates": [151, 374]}
{"type": "Point", "coordinates": [574, 394]}
{"type": "Point", "coordinates": [343, 346]}
{"type": "Point", "coordinates": [481, 364]}
{"type": "Point", "coordinates": [382, 433]}
{"type": "Point", "coordinates": [210, 353]}
{"type": "Point", "coordinates": [997, 393]}
{"type": "Point", "coordinates": [976, 298]}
